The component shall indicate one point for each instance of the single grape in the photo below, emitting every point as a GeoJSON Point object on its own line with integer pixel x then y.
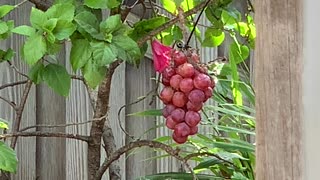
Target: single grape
{"type": "Point", "coordinates": [166, 94]}
{"type": "Point", "coordinates": [192, 118]}
{"type": "Point", "coordinates": [168, 72]}
{"type": "Point", "coordinates": [165, 81]}
{"type": "Point", "coordinates": [166, 111]}
{"type": "Point", "coordinates": [202, 81]}
{"type": "Point", "coordinates": [193, 130]}
{"type": "Point", "coordinates": [182, 129]}
{"type": "Point", "coordinates": [179, 99]}
{"type": "Point", "coordinates": [178, 139]}
{"type": "Point", "coordinates": [194, 106]}
{"type": "Point", "coordinates": [186, 70]}
{"type": "Point", "coordinates": [175, 81]}
{"type": "Point", "coordinates": [179, 58]}
{"type": "Point", "coordinates": [170, 123]}
{"type": "Point", "coordinates": [186, 85]}
{"type": "Point", "coordinates": [196, 96]}
{"type": "Point", "coordinates": [178, 115]}
{"type": "Point", "coordinates": [208, 92]}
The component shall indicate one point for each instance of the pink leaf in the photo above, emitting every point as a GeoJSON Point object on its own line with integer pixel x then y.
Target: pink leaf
{"type": "Point", "coordinates": [160, 55]}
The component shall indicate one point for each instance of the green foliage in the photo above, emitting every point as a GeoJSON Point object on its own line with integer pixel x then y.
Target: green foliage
{"type": "Point", "coordinates": [151, 112]}
{"type": "Point", "coordinates": [178, 175]}
{"type": "Point", "coordinates": [5, 9]}
{"type": "Point", "coordinates": [8, 157]}
{"type": "Point", "coordinates": [102, 4]}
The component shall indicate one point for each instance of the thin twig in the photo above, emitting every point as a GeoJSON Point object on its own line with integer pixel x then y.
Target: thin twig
{"type": "Point", "coordinates": [58, 125]}
{"type": "Point", "coordinates": [76, 77]}
{"type": "Point", "coordinates": [45, 134]}
{"type": "Point", "coordinates": [172, 22]}
{"type": "Point", "coordinates": [195, 25]}
{"type": "Point", "coordinates": [152, 144]}
{"type": "Point", "coordinates": [9, 102]}
{"type": "Point", "coordinates": [19, 111]}
{"type": "Point", "coordinates": [17, 70]}
{"type": "Point", "coordinates": [19, 4]}
{"type": "Point", "coordinates": [13, 84]}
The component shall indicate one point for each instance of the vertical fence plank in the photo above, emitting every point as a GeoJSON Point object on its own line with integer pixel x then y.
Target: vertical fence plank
{"type": "Point", "coordinates": [139, 83]}
{"type": "Point", "coordinates": [25, 147]}
{"type": "Point", "coordinates": [278, 61]}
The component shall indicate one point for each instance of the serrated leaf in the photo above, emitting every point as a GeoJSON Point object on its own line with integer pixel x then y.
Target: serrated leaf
{"type": "Point", "coordinates": [145, 26]}
{"type": "Point", "coordinates": [151, 112]}
{"type": "Point", "coordinates": [10, 25]}
{"type": "Point", "coordinates": [5, 9]}
{"type": "Point", "coordinates": [128, 49]}
{"type": "Point", "coordinates": [93, 73]}
{"type": "Point", "coordinates": [102, 53]}
{"type": "Point", "coordinates": [37, 18]}
{"type": "Point", "coordinates": [57, 78]}
{"type": "Point", "coordinates": [89, 23]}
{"type": "Point", "coordinates": [35, 73]}
{"type": "Point", "coordinates": [63, 29]}
{"type": "Point", "coordinates": [50, 24]}
{"type": "Point", "coordinates": [4, 124]}
{"type": "Point", "coordinates": [24, 30]}
{"type": "Point", "coordinates": [111, 24]}
{"type": "Point", "coordinates": [63, 11]}
{"type": "Point", "coordinates": [3, 27]}
{"type": "Point", "coordinates": [213, 37]}
{"type": "Point", "coordinates": [8, 158]}
{"type": "Point", "coordinates": [34, 48]}
{"type": "Point", "coordinates": [102, 4]}
{"type": "Point", "coordinates": [81, 52]}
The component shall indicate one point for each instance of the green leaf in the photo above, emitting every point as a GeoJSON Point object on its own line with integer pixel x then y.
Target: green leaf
{"type": "Point", "coordinates": [34, 48]}
{"type": "Point", "coordinates": [102, 53]}
{"type": "Point", "coordinates": [163, 138]}
{"type": "Point", "coordinates": [6, 55]}
{"type": "Point", "coordinates": [93, 73]}
{"type": "Point", "coordinates": [151, 112]}
{"type": "Point", "coordinates": [10, 25]}
{"type": "Point", "coordinates": [239, 52]}
{"type": "Point", "coordinates": [208, 163]}
{"type": "Point", "coordinates": [57, 78]}
{"type": "Point", "coordinates": [145, 26]}
{"type": "Point", "coordinates": [3, 124]}
{"type": "Point", "coordinates": [37, 18]}
{"type": "Point", "coordinates": [35, 73]}
{"type": "Point", "coordinates": [81, 52]}
{"type": "Point", "coordinates": [128, 49]}
{"type": "Point", "coordinates": [234, 129]}
{"type": "Point", "coordinates": [169, 5]}
{"type": "Point", "coordinates": [50, 24]}
{"type": "Point", "coordinates": [238, 176]}
{"type": "Point", "coordinates": [63, 29]}
{"type": "Point", "coordinates": [111, 24]}
{"type": "Point", "coordinates": [3, 27]}
{"type": "Point", "coordinates": [63, 11]}
{"type": "Point", "coordinates": [230, 17]}
{"type": "Point", "coordinates": [178, 175]}
{"type": "Point", "coordinates": [5, 9]}
{"type": "Point", "coordinates": [187, 5]}
{"type": "Point", "coordinates": [234, 146]}
{"type": "Point", "coordinates": [228, 111]}
{"type": "Point", "coordinates": [213, 37]}
{"type": "Point", "coordinates": [24, 30]}
{"type": "Point", "coordinates": [89, 23]}
{"type": "Point", "coordinates": [8, 158]}
{"type": "Point", "coordinates": [102, 4]}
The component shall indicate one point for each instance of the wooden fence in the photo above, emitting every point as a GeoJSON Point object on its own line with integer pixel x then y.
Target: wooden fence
{"type": "Point", "coordinates": [54, 158]}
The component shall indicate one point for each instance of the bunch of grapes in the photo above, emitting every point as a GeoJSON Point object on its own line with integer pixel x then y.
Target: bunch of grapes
{"type": "Point", "coordinates": [186, 87]}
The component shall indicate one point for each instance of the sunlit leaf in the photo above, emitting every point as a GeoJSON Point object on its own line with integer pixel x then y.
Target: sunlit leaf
{"type": "Point", "coordinates": [8, 158]}
{"type": "Point", "coordinates": [5, 9]}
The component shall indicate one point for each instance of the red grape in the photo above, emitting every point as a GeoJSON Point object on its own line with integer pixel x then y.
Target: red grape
{"type": "Point", "coordinates": [178, 115]}
{"type": "Point", "coordinates": [196, 96]}
{"type": "Point", "coordinates": [166, 94]}
{"type": "Point", "coordinates": [186, 70]}
{"type": "Point", "coordinates": [202, 81]}
{"type": "Point", "coordinates": [178, 139]}
{"type": "Point", "coordinates": [186, 85]}
{"type": "Point", "coordinates": [194, 106]}
{"type": "Point", "coordinates": [179, 58]}
{"type": "Point", "coordinates": [208, 92]}
{"type": "Point", "coordinates": [193, 130]}
{"type": "Point", "coordinates": [168, 72]}
{"type": "Point", "coordinates": [179, 99]}
{"type": "Point", "coordinates": [182, 129]}
{"type": "Point", "coordinates": [166, 111]}
{"type": "Point", "coordinates": [165, 81]}
{"type": "Point", "coordinates": [175, 81]}
{"type": "Point", "coordinates": [170, 123]}
{"type": "Point", "coordinates": [192, 118]}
